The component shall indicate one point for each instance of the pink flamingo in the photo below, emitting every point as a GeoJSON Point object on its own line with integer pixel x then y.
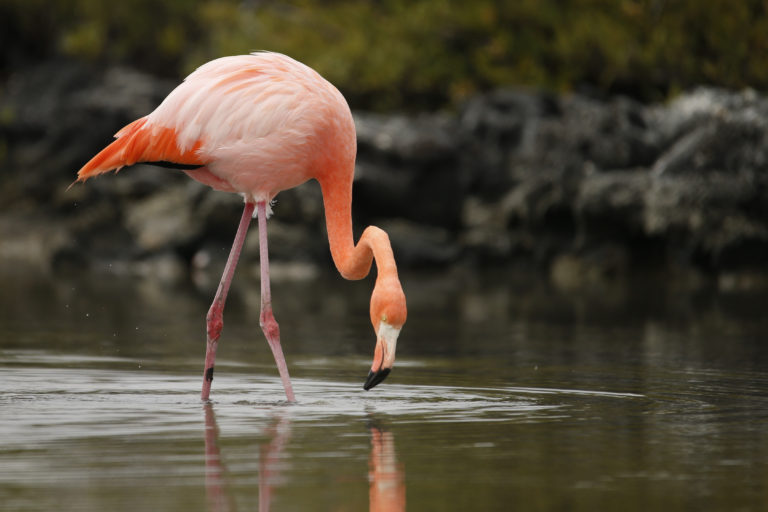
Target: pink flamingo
{"type": "Point", "coordinates": [255, 125]}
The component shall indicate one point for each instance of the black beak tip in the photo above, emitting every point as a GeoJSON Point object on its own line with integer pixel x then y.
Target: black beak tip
{"type": "Point", "coordinates": [375, 378]}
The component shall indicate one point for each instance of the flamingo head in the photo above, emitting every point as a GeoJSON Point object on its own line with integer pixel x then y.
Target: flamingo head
{"type": "Point", "coordinates": [388, 313]}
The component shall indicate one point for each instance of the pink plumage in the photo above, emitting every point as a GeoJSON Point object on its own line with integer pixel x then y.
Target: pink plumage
{"type": "Point", "coordinates": [258, 124]}
{"type": "Point", "coordinates": [255, 125]}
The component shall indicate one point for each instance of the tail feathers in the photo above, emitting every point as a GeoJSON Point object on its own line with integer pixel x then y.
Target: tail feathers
{"type": "Point", "coordinates": [139, 142]}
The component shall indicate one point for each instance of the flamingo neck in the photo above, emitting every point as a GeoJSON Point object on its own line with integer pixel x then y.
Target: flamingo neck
{"type": "Point", "coordinates": [354, 260]}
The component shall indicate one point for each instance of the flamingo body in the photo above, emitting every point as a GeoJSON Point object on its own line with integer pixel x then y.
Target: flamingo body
{"type": "Point", "coordinates": [256, 125]}
{"type": "Point", "coordinates": [252, 124]}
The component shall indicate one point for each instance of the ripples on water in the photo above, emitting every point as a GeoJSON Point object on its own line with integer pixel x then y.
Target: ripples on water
{"type": "Point", "coordinates": [496, 402]}
{"type": "Point", "coordinates": [50, 402]}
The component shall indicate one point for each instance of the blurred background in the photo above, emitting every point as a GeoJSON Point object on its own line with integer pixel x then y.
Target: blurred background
{"type": "Point", "coordinates": [415, 55]}
{"type": "Point", "coordinates": [577, 196]}
{"type": "Point", "coordinates": [583, 140]}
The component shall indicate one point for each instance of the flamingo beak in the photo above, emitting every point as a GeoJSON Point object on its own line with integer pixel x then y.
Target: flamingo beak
{"type": "Point", "coordinates": [383, 356]}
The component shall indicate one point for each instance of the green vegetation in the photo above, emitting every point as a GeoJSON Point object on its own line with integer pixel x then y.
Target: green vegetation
{"type": "Point", "coordinates": [417, 54]}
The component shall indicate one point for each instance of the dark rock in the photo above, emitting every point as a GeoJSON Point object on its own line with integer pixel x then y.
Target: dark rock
{"type": "Point", "coordinates": [731, 142]}
{"type": "Point", "coordinates": [32, 239]}
{"type": "Point", "coordinates": [164, 219]}
{"type": "Point", "coordinates": [408, 167]}
{"type": "Point", "coordinates": [612, 204]}
{"type": "Point", "coordinates": [607, 263]}
{"type": "Point", "coordinates": [708, 219]}
{"type": "Point", "coordinates": [584, 189]}
{"type": "Point", "coordinates": [499, 127]}
{"type": "Point", "coordinates": [58, 114]}
{"type": "Point", "coordinates": [426, 138]}
{"type": "Point", "coordinates": [611, 135]}
{"type": "Point", "coordinates": [289, 242]}
{"type": "Point", "coordinates": [417, 245]}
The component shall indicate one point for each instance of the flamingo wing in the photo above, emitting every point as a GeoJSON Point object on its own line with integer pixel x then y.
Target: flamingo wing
{"type": "Point", "coordinates": [141, 141]}
{"type": "Point", "coordinates": [229, 117]}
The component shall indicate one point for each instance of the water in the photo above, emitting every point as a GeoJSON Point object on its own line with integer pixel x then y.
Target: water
{"type": "Point", "coordinates": [506, 395]}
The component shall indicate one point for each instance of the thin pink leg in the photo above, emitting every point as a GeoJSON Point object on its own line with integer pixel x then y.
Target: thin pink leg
{"type": "Point", "coordinates": [214, 320]}
{"type": "Point", "coordinates": [267, 318]}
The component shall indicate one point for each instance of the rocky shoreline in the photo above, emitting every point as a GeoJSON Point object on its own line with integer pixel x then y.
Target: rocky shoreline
{"type": "Point", "coordinates": [576, 188]}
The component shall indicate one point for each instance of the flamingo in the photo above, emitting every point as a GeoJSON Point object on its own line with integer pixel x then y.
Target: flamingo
{"type": "Point", "coordinates": [255, 125]}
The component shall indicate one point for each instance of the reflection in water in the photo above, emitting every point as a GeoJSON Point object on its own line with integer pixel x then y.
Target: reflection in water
{"type": "Point", "coordinates": [269, 459]}
{"type": "Point", "coordinates": [219, 499]}
{"type": "Point", "coordinates": [648, 401]}
{"type": "Point", "coordinates": [386, 475]}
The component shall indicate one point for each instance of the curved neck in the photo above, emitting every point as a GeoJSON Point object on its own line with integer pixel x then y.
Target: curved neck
{"type": "Point", "coordinates": [353, 260]}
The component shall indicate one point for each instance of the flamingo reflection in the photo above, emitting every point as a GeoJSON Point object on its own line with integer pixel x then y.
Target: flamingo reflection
{"type": "Point", "coordinates": [219, 498]}
{"type": "Point", "coordinates": [386, 475]}
{"type": "Point", "coordinates": [269, 460]}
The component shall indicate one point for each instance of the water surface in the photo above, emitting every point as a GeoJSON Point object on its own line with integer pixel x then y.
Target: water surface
{"type": "Point", "coordinates": [506, 395]}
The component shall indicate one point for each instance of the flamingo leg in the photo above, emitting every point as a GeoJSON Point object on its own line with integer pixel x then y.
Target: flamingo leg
{"type": "Point", "coordinates": [214, 320]}
{"type": "Point", "coordinates": [267, 318]}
